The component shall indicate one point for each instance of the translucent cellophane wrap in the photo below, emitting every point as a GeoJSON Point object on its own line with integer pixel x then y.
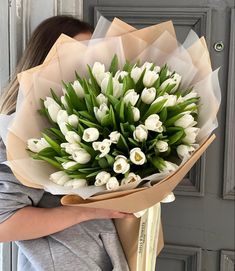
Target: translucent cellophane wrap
{"type": "Point", "coordinates": [156, 44]}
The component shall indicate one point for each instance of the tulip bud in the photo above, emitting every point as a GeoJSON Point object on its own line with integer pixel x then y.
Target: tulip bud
{"type": "Point", "coordinates": [102, 99]}
{"type": "Point", "coordinates": [136, 73]}
{"type": "Point", "coordinates": [49, 101]}
{"type": "Point", "coordinates": [148, 95]}
{"type": "Point", "coordinates": [53, 110]}
{"type": "Point", "coordinates": [147, 65]}
{"type": "Point", "coordinates": [78, 89]}
{"type": "Point", "coordinates": [120, 74]}
{"type": "Point", "coordinates": [63, 128]}
{"type": "Point", "coordinates": [70, 148]}
{"type": "Point", "coordinates": [102, 178]}
{"type": "Point", "coordinates": [59, 177]}
{"type": "Point", "coordinates": [112, 184]}
{"type": "Point", "coordinates": [117, 87]}
{"type": "Point", "coordinates": [37, 145]}
{"type": "Point", "coordinates": [102, 146]}
{"type": "Point", "coordinates": [153, 123]}
{"type": "Point", "coordinates": [73, 120]}
{"type": "Point", "coordinates": [174, 80]}
{"type": "Point", "coordinates": [101, 111]}
{"type": "Point", "coordinates": [76, 183]}
{"type": "Point", "coordinates": [121, 164]}
{"type": "Point", "coordinates": [191, 134]}
{"type": "Point", "coordinates": [136, 113]}
{"type": "Point", "coordinates": [185, 121]}
{"type": "Point", "coordinates": [168, 167]}
{"type": "Point", "coordinates": [184, 151]}
{"type": "Point", "coordinates": [141, 133]}
{"type": "Point", "coordinates": [131, 97]}
{"type": "Point", "coordinates": [137, 157]}
{"type": "Point", "coordinates": [62, 116]}
{"type": "Point", "coordinates": [131, 178]}
{"type": "Point", "coordinates": [114, 137]}
{"type": "Point", "coordinates": [67, 165]}
{"type": "Point", "coordinates": [63, 101]}
{"type": "Point", "coordinates": [150, 77]}
{"type": "Point", "coordinates": [98, 70]}
{"type": "Point", "coordinates": [81, 156]}
{"type": "Point", "coordinates": [72, 137]}
{"type": "Point", "coordinates": [161, 146]}
{"type": "Point", "coordinates": [90, 134]}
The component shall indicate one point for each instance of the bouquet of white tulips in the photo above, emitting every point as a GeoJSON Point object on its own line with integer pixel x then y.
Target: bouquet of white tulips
{"type": "Point", "coordinates": [116, 127]}
{"type": "Point", "coordinates": [117, 134]}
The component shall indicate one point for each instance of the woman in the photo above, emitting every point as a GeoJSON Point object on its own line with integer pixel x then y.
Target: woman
{"type": "Point", "coordinates": [54, 237]}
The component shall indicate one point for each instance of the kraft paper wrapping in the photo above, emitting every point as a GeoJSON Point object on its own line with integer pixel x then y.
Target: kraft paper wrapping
{"type": "Point", "coordinates": [67, 55]}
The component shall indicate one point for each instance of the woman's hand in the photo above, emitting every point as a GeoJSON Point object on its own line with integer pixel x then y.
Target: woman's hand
{"type": "Point", "coordinates": [32, 222]}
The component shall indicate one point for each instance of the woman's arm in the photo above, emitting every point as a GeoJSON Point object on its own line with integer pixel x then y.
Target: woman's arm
{"type": "Point", "coordinates": [32, 222]}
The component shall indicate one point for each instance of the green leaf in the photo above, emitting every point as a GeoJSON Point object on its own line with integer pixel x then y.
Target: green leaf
{"type": "Point", "coordinates": [110, 159]}
{"type": "Point", "coordinates": [56, 132]}
{"type": "Point", "coordinates": [133, 142]}
{"type": "Point", "coordinates": [113, 100]}
{"type": "Point", "coordinates": [163, 114]}
{"type": "Point", "coordinates": [129, 113]}
{"type": "Point", "coordinates": [106, 120]}
{"type": "Point", "coordinates": [157, 162]}
{"type": "Point", "coordinates": [52, 143]}
{"type": "Point", "coordinates": [122, 144]}
{"type": "Point", "coordinates": [109, 90]}
{"type": "Point", "coordinates": [176, 137]}
{"type": "Point", "coordinates": [87, 115]}
{"type": "Point", "coordinates": [88, 170]}
{"type": "Point", "coordinates": [103, 163]}
{"type": "Point", "coordinates": [94, 83]}
{"type": "Point", "coordinates": [163, 74]}
{"type": "Point", "coordinates": [128, 83]}
{"type": "Point", "coordinates": [171, 130]}
{"type": "Point", "coordinates": [172, 120]}
{"type": "Point", "coordinates": [112, 117]}
{"type": "Point", "coordinates": [114, 65]}
{"type": "Point", "coordinates": [139, 85]}
{"type": "Point", "coordinates": [127, 67]}
{"type": "Point", "coordinates": [48, 152]}
{"type": "Point", "coordinates": [55, 97]}
{"type": "Point", "coordinates": [89, 149]}
{"type": "Point", "coordinates": [50, 161]}
{"type": "Point", "coordinates": [154, 109]}
{"type": "Point", "coordinates": [89, 103]}
{"type": "Point", "coordinates": [122, 110]}
{"type": "Point", "coordinates": [90, 124]}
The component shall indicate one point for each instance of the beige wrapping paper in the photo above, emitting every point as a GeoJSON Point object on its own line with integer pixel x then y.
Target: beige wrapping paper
{"type": "Point", "coordinates": [134, 45]}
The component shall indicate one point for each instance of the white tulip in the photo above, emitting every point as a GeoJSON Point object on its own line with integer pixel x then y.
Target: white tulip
{"type": "Point", "coordinates": [102, 99]}
{"type": "Point", "coordinates": [63, 101]}
{"type": "Point", "coordinates": [161, 146]}
{"type": "Point", "coordinates": [141, 133]}
{"type": "Point", "coordinates": [101, 111]}
{"type": "Point", "coordinates": [112, 184]}
{"type": "Point", "coordinates": [59, 177]}
{"type": "Point", "coordinates": [148, 95]}
{"type": "Point", "coordinates": [136, 113]}
{"type": "Point", "coordinates": [169, 167]}
{"type": "Point", "coordinates": [121, 164]}
{"type": "Point", "coordinates": [62, 116]}
{"type": "Point", "coordinates": [63, 128]}
{"type": "Point", "coordinates": [114, 137]}
{"type": "Point", "coordinates": [37, 145]}
{"type": "Point", "coordinates": [67, 165]}
{"type": "Point", "coordinates": [174, 80]}
{"type": "Point", "coordinates": [72, 137]}
{"type": "Point", "coordinates": [76, 183]}
{"type": "Point", "coordinates": [102, 146]}
{"type": "Point", "coordinates": [184, 151]}
{"type": "Point", "coordinates": [147, 65]}
{"type": "Point", "coordinates": [131, 178]}
{"type": "Point", "coordinates": [136, 73]}
{"type": "Point", "coordinates": [117, 87]}
{"type": "Point", "coordinates": [131, 97]}
{"type": "Point", "coordinates": [49, 101]}
{"type": "Point", "coordinates": [157, 69]}
{"type": "Point", "coordinates": [81, 156]}
{"type": "Point", "coordinates": [98, 70]}
{"type": "Point", "coordinates": [78, 89]}
{"type": "Point", "coordinates": [153, 123]}
{"type": "Point", "coordinates": [120, 74]}
{"type": "Point", "coordinates": [150, 78]}
{"type": "Point", "coordinates": [70, 148]}
{"type": "Point", "coordinates": [191, 134]}
{"type": "Point", "coordinates": [171, 100]}
{"type": "Point", "coordinates": [102, 178]}
{"type": "Point", "coordinates": [190, 95]}
{"type": "Point", "coordinates": [185, 121]}
{"type": "Point", "coordinates": [137, 156]}
{"type": "Point", "coordinates": [90, 134]}
{"type": "Point", "coordinates": [73, 120]}
{"type": "Point", "coordinates": [53, 110]}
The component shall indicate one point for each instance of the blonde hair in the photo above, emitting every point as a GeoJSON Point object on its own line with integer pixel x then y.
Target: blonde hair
{"type": "Point", "coordinates": [36, 51]}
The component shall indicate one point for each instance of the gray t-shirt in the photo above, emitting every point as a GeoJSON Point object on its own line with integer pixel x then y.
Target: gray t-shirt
{"type": "Point", "coordinates": [88, 246]}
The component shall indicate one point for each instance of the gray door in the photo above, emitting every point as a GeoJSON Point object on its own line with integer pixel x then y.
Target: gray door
{"type": "Point", "coordinates": [199, 225]}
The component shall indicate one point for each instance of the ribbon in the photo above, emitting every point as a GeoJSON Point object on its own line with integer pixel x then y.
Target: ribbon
{"type": "Point", "coordinates": [148, 235]}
